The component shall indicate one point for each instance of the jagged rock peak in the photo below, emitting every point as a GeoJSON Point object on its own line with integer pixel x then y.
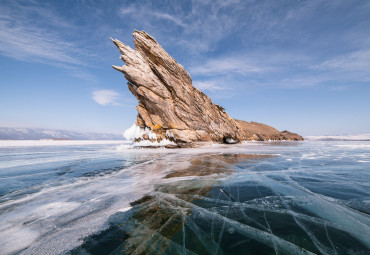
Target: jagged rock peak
{"type": "Point", "coordinates": [169, 104]}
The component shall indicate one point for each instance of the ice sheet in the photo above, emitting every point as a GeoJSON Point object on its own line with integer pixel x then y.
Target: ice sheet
{"type": "Point", "coordinates": [222, 197]}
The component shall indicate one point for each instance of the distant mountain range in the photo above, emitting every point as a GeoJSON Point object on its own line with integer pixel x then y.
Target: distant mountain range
{"type": "Point", "coordinates": [363, 137]}
{"type": "Point", "coordinates": [41, 133]}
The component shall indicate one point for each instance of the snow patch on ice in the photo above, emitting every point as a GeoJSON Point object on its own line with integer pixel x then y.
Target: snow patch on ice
{"type": "Point", "coordinates": [125, 209]}
{"type": "Point", "coordinates": [17, 238]}
{"type": "Point", "coordinates": [146, 143]}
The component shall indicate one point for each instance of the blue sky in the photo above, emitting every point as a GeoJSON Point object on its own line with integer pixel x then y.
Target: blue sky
{"type": "Point", "coordinates": [297, 65]}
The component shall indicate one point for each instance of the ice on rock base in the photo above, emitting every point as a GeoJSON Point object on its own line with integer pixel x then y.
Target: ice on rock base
{"type": "Point", "coordinates": [147, 143]}
{"type": "Point", "coordinates": [170, 135]}
{"type": "Point", "coordinates": [136, 132]}
{"type": "Point", "coordinates": [230, 141]}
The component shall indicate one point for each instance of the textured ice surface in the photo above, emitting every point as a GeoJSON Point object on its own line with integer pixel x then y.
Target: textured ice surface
{"type": "Point", "coordinates": [252, 198]}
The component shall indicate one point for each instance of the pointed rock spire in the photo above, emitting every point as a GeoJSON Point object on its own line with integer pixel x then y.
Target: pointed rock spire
{"type": "Point", "coordinates": [169, 103]}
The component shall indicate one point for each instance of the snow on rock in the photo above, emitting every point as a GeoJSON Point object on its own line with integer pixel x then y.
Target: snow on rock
{"type": "Point", "coordinates": [170, 135]}
{"type": "Point", "coordinates": [146, 137]}
{"type": "Point", "coordinates": [135, 132]}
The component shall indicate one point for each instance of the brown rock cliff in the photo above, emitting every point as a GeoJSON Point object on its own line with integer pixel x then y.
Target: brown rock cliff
{"type": "Point", "coordinates": [172, 107]}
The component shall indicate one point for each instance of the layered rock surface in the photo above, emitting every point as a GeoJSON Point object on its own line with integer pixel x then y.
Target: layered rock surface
{"type": "Point", "coordinates": [172, 107]}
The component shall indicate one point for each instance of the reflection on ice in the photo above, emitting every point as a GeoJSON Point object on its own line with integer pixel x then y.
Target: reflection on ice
{"type": "Point", "coordinates": [227, 208]}
{"type": "Point", "coordinates": [254, 198]}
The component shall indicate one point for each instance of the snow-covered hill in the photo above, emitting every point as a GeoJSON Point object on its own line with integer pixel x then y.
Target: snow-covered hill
{"type": "Point", "coordinates": [41, 133]}
{"type": "Point", "coordinates": [363, 137]}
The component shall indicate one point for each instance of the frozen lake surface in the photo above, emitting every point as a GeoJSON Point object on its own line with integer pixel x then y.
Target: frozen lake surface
{"type": "Point", "coordinates": [310, 197]}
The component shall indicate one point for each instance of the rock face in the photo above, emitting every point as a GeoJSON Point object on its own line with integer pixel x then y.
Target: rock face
{"type": "Point", "coordinates": [172, 108]}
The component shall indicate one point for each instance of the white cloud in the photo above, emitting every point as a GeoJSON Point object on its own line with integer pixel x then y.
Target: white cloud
{"type": "Point", "coordinates": [208, 85]}
{"type": "Point", "coordinates": [106, 97]}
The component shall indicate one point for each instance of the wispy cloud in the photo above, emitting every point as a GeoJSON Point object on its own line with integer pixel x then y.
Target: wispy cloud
{"type": "Point", "coordinates": [209, 85]}
{"type": "Point", "coordinates": [275, 46]}
{"type": "Point", "coordinates": [169, 17]}
{"type": "Point", "coordinates": [354, 61]}
{"type": "Point", "coordinates": [149, 13]}
{"type": "Point", "coordinates": [127, 10]}
{"type": "Point", "coordinates": [225, 65]}
{"type": "Point", "coordinates": [22, 38]}
{"type": "Point", "coordinates": [202, 23]}
{"type": "Point", "coordinates": [285, 69]}
{"type": "Point", "coordinates": [34, 32]}
{"type": "Point", "coordinates": [106, 97]}
{"type": "Point", "coordinates": [349, 68]}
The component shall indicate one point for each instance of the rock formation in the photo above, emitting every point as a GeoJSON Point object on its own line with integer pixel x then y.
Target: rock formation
{"type": "Point", "coordinates": [171, 107]}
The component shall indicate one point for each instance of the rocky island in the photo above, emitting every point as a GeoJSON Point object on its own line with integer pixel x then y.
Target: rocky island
{"type": "Point", "coordinates": [172, 108]}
